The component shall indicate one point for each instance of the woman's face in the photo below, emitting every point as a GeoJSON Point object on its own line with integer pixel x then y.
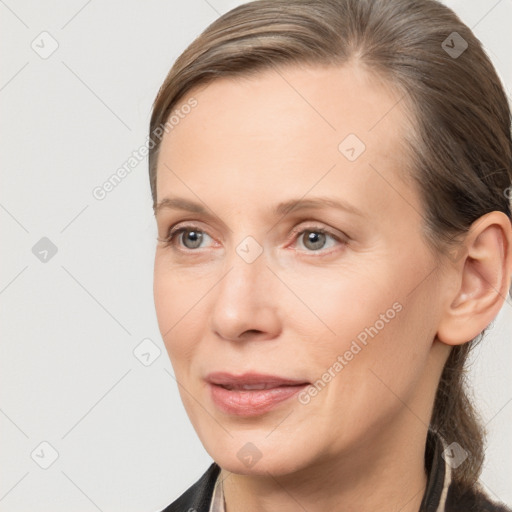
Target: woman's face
{"type": "Point", "coordinates": [251, 288]}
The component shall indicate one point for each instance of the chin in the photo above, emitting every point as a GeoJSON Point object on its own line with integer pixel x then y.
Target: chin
{"type": "Point", "coordinates": [248, 458]}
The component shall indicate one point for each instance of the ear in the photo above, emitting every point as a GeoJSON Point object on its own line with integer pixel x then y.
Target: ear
{"type": "Point", "coordinates": [479, 279]}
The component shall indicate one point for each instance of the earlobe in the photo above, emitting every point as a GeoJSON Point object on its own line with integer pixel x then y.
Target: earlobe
{"type": "Point", "coordinates": [482, 274]}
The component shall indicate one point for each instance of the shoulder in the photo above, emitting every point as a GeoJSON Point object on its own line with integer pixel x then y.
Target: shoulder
{"type": "Point", "coordinates": [447, 494]}
{"type": "Point", "coordinates": [471, 500]}
{"type": "Point", "coordinates": [197, 497]}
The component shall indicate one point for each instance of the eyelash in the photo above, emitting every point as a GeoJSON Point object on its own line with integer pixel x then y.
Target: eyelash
{"type": "Point", "coordinates": [169, 241]}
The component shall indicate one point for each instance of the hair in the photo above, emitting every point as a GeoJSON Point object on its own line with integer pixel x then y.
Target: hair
{"type": "Point", "coordinates": [460, 150]}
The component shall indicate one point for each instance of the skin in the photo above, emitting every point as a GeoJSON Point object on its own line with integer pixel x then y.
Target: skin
{"type": "Point", "coordinates": [249, 144]}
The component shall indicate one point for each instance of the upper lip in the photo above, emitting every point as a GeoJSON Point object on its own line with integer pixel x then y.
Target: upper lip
{"type": "Point", "coordinates": [228, 379]}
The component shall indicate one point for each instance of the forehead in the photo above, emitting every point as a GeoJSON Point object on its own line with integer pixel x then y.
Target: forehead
{"type": "Point", "coordinates": [286, 126]}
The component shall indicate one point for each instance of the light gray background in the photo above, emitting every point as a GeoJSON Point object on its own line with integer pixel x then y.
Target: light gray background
{"type": "Point", "coordinates": [70, 325]}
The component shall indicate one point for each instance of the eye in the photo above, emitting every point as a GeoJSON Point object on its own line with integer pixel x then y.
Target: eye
{"type": "Point", "coordinates": [314, 238]}
{"type": "Point", "coordinates": [190, 236]}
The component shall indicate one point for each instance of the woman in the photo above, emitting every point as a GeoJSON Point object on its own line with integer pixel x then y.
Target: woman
{"type": "Point", "coordinates": [331, 184]}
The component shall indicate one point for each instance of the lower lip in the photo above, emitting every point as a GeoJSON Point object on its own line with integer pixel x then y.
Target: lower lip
{"type": "Point", "coordinates": [251, 402]}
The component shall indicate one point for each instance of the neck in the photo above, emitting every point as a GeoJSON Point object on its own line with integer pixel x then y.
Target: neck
{"type": "Point", "coordinates": [389, 471]}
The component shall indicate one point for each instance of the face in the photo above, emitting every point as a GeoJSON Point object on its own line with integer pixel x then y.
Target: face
{"type": "Point", "coordinates": [338, 291]}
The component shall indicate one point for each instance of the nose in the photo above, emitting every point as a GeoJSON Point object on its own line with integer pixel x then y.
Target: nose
{"type": "Point", "coordinates": [246, 300]}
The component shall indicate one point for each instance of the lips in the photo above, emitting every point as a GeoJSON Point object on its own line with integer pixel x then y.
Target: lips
{"type": "Point", "coordinates": [251, 394]}
{"type": "Point", "coordinates": [249, 387]}
{"type": "Point", "coordinates": [251, 381]}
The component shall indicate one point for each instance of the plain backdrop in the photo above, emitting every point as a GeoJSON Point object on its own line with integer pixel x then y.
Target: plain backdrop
{"type": "Point", "coordinates": [85, 424]}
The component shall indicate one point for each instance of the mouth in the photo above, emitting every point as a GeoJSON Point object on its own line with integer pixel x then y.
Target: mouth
{"type": "Point", "coordinates": [251, 394]}
{"type": "Point", "coordinates": [252, 387]}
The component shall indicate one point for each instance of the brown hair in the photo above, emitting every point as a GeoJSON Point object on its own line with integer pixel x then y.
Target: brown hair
{"type": "Point", "coordinates": [460, 151]}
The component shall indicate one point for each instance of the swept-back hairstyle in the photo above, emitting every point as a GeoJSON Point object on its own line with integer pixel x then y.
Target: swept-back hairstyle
{"type": "Point", "coordinates": [460, 150]}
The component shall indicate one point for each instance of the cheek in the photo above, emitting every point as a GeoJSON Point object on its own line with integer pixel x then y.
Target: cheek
{"type": "Point", "coordinates": [175, 291]}
{"type": "Point", "coordinates": [347, 308]}
{"type": "Point", "coordinates": [384, 357]}
{"type": "Point", "coordinates": [164, 295]}
{"type": "Point", "coordinates": [176, 302]}
{"type": "Point", "coordinates": [368, 330]}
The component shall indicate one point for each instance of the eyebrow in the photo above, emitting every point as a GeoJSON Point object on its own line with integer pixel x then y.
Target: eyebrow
{"type": "Point", "coordinates": [283, 208]}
